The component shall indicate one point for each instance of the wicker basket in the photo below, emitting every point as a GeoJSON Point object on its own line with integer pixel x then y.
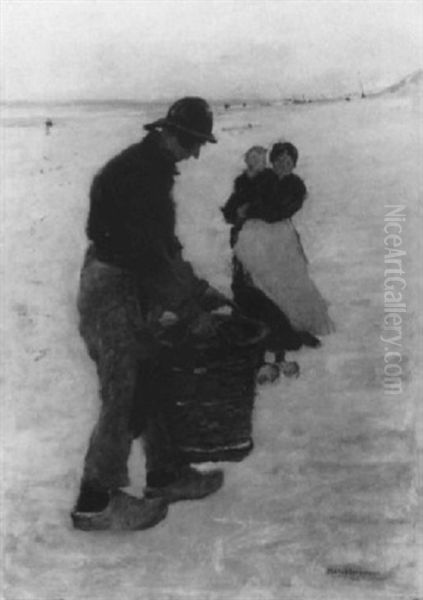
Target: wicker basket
{"type": "Point", "coordinates": [207, 387]}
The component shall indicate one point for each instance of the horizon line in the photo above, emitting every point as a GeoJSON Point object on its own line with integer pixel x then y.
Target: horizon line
{"type": "Point", "coordinates": [217, 99]}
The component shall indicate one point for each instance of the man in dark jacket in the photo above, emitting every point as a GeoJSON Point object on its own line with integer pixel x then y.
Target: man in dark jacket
{"type": "Point", "coordinates": [133, 273]}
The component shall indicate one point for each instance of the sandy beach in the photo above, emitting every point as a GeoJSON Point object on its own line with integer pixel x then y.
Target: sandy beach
{"type": "Point", "coordinates": [325, 508]}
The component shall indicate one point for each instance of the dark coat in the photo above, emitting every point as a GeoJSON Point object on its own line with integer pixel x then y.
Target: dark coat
{"type": "Point", "coordinates": [131, 224]}
{"type": "Point", "coordinates": [246, 191]}
{"type": "Point", "coordinates": [266, 197]}
{"type": "Point", "coordinates": [285, 199]}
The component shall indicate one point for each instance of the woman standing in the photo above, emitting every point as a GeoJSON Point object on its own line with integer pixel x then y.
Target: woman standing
{"type": "Point", "coordinates": [270, 279]}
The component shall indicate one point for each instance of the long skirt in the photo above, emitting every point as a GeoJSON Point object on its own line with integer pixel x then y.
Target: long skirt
{"type": "Point", "coordinates": [273, 255]}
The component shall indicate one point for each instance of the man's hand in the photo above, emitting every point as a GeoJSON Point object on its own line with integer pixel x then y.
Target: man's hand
{"type": "Point", "coordinates": [168, 319]}
{"type": "Point", "coordinates": [241, 212]}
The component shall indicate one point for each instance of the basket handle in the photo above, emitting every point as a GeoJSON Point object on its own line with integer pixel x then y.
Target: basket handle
{"type": "Point", "coordinates": [262, 328]}
{"type": "Point", "coordinates": [263, 331]}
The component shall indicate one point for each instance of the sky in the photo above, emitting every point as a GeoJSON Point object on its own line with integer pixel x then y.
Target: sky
{"type": "Point", "coordinates": [160, 49]}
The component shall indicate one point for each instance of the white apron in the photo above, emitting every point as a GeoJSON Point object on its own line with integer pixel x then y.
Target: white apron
{"type": "Point", "coordinates": [274, 257]}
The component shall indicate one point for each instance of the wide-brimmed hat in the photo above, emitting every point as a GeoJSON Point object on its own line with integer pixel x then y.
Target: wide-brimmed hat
{"type": "Point", "coordinates": [191, 115]}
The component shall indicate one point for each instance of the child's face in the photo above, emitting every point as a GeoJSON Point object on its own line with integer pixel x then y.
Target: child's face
{"type": "Point", "coordinates": [283, 165]}
{"type": "Point", "coordinates": [255, 162]}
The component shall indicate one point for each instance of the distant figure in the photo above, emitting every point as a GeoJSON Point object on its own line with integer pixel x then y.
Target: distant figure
{"type": "Point", "coordinates": [48, 125]}
{"type": "Point", "coordinates": [227, 106]}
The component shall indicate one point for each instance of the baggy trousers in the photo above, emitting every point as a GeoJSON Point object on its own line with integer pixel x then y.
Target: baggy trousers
{"type": "Point", "coordinates": [122, 345]}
